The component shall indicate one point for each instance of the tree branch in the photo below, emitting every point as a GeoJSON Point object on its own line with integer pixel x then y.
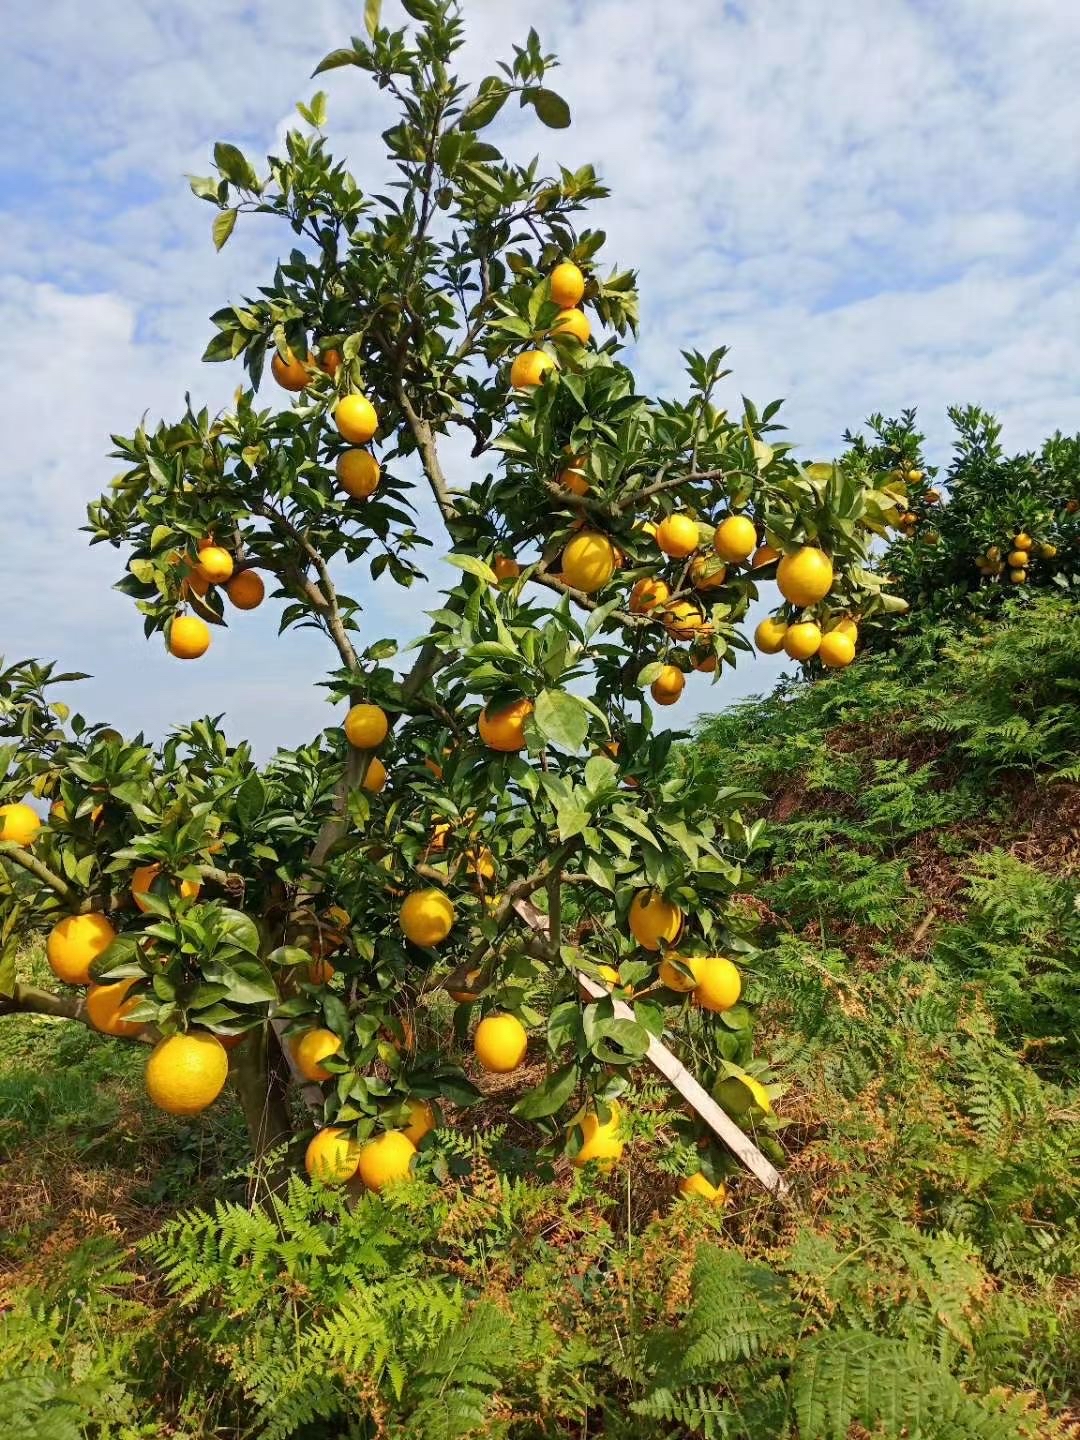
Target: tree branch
{"type": "Point", "coordinates": [38, 869]}
{"type": "Point", "coordinates": [30, 1000]}
{"type": "Point", "coordinates": [322, 596]}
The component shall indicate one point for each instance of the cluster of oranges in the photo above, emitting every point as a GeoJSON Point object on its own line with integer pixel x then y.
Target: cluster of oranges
{"type": "Point", "coordinates": [189, 636]}
{"type": "Point", "coordinates": [566, 288]}
{"type": "Point", "coordinates": [1013, 559]}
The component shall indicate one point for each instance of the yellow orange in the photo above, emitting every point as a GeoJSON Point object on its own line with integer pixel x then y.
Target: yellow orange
{"type": "Point", "coordinates": [697, 1185]}
{"type": "Point", "coordinates": [805, 576]}
{"type": "Point", "coordinates": [358, 473]}
{"type": "Point", "coordinates": [764, 555]}
{"type": "Point", "coordinates": [653, 920]}
{"type": "Point", "coordinates": [802, 640]}
{"type": "Point", "coordinates": [719, 983]}
{"type": "Point", "coordinates": [671, 976]}
{"type": "Point", "coordinates": [290, 372]}
{"type": "Point", "coordinates": [677, 535]}
{"type": "Point", "coordinates": [668, 685]}
{"type": "Point", "coordinates": [504, 729]}
{"type": "Point", "coordinates": [246, 590]}
{"type": "Point", "coordinates": [505, 567]}
{"type": "Point", "coordinates": [332, 1156]}
{"type": "Point", "coordinates": [19, 824]}
{"type": "Point", "coordinates": [682, 619]}
{"type": "Point", "coordinates": [707, 573]}
{"type": "Point", "coordinates": [500, 1043]}
{"type": "Point", "coordinates": [143, 877]}
{"type": "Point", "coordinates": [574, 323]}
{"type": "Point", "coordinates": [588, 561]}
{"type": "Point", "coordinates": [422, 1121]}
{"type": "Point", "coordinates": [366, 726]}
{"type": "Point", "coordinates": [735, 538]}
{"type": "Point", "coordinates": [186, 1073]}
{"type": "Point", "coordinates": [189, 637]}
{"type": "Point", "coordinates": [836, 650]}
{"type": "Point", "coordinates": [600, 1142]}
{"type": "Point", "coordinates": [529, 369]}
{"type": "Point", "coordinates": [356, 419]}
{"type": "Point", "coordinates": [647, 593]}
{"type": "Point", "coordinates": [1023, 541]}
{"type": "Point", "coordinates": [215, 564]}
{"type": "Point", "coordinates": [75, 943]}
{"type": "Point", "coordinates": [769, 635]}
{"type": "Point", "coordinates": [375, 776]}
{"type": "Point", "coordinates": [847, 627]}
{"type": "Point", "coordinates": [427, 917]}
{"type": "Point", "coordinates": [107, 1007]}
{"type": "Point", "coordinates": [386, 1160]}
{"type": "Point", "coordinates": [566, 285]}
{"type": "Point", "coordinates": [311, 1048]}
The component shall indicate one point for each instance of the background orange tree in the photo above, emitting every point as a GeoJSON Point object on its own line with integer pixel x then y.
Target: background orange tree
{"type": "Point", "coordinates": [518, 821]}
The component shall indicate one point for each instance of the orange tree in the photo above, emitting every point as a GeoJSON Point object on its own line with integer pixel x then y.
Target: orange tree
{"type": "Point", "coordinates": [496, 816]}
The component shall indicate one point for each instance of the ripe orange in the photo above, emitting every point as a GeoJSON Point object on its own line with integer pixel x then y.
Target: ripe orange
{"type": "Point", "coordinates": [647, 593]}
{"type": "Point", "coordinates": [1018, 559]}
{"type": "Point", "coordinates": [588, 561]}
{"type": "Point", "coordinates": [705, 661]}
{"type": "Point", "coordinates": [246, 590]}
{"type": "Point", "coordinates": [189, 637]}
{"type": "Point", "coordinates": [719, 983]}
{"type": "Point", "coordinates": [427, 917]}
{"type": "Point", "coordinates": [764, 555]}
{"type": "Point", "coordinates": [1018, 576]}
{"type": "Point", "coordinates": [682, 619]}
{"type": "Point", "coordinates": [697, 1185]}
{"type": "Point", "coordinates": [332, 1156]}
{"type": "Point", "coordinates": [769, 635]}
{"type": "Point", "coordinates": [215, 564]}
{"type": "Point", "coordinates": [848, 627]}
{"type": "Point", "coordinates": [567, 285]}
{"type": "Point", "coordinates": [654, 920]}
{"type": "Point", "coordinates": [573, 475]}
{"type": "Point", "coordinates": [805, 576]}
{"type": "Point", "coordinates": [671, 976]}
{"type": "Point", "coordinates": [19, 824]}
{"type": "Point", "coordinates": [677, 535]}
{"type": "Point", "coordinates": [358, 473]}
{"type": "Point", "coordinates": [505, 567]}
{"type": "Point", "coordinates": [75, 943]}
{"type": "Point", "coordinates": [1023, 541]}
{"type": "Point", "coordinates": [290, 372]}
{"type": "Point", "coordinates": [186, 1073]}
{"type": "Point", "coordinates": [366, 726]}
{"type": "Point", "coordinates": [836, 650]}
{"type": "Point", "coordinates": [467, 996]}
{"type": "Point", "coordinates": [504, 729]}
{"type": "Point", "coordinates": [311, 1048]}
{"type": "Point", "coordinates": [529, 369]}
{"type": "Point", "coordinates": [802, 640]}
{"type": "Point", "coordinates": [600, 1138]}
{"type": "Point", "coordinates": [668, 685]}
{"type": "Point", "coordinates": [374, 776]}
{"type": "Point", "coordinates": [573, 323]}
{"type": "Point", "coordinates": [735, 538]}
{"type": "Point", "coordinates": [320, 972]}
{"type": "Point", "coordinates": [356, 419]}
{"type": "Point", "coordinates": [107, 1006]}
{"type": "Point", "coordinates": [707, 573]}
{"type": "Point", "coordinates": [500, 1043]}
{"type": "Point", "coordinates": [422, 1120]}
{"type": "Point", "coordinates": [142, 880]}
{"type": "Point", "coordinates": [329, 361]}
{"type": "Point", "coordinates": [386, 1160]}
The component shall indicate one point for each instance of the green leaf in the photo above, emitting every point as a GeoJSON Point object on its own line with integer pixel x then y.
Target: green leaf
{"type": "Point", "coordinates": [289, 955]}
{"type": "Point", "coordinates": [249, 982]}
{"type": "Point", "coordinates": [223, 227]}
{"type": "Point", "coordinates": [549, 1096]}
{"type": "Point", "coordinates": [240, 931]}
{"type": "Point", "coordinates": [119, 961]}
{"type": "Point", "coordinates": [561, 719]}
{"type": "Point", "coordinates": [250, 801]}
{"type": "Point", "coordinates": [551, 109]}
{"type": "Point", "coordinates": [473, 566]}
{"type": "Point", "coordinates": [491, 96]}
{"type": "Point", "coordinates": [335, 60]}
{"type": "Point", "coordinates": [372, 11]}
{"type": "Point", "coordinates": [235, 166]}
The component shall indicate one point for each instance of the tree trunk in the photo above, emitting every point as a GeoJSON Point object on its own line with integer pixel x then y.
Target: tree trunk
{"type": "Point", "coordinates": [261, 1079]}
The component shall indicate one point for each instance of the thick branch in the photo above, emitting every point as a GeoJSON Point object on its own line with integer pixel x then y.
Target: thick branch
{"type": "Point", "coordinates": [322, 596]}
{"type": "Point", "coordinates": [429, 454]}
{"type": "Point", "coordinates": [30, 1000]}
{"type": "Point", "coordinates": [39, 870]}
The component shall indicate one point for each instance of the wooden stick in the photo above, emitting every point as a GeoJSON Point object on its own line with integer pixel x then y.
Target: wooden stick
{"type": "Point", "coordinates": [676, 1074]}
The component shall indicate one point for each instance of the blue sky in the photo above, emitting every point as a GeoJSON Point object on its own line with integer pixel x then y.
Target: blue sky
{"type": "Point", "coordinates": [875, 203]}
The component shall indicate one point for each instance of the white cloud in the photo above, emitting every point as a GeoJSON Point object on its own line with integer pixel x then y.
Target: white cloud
{"type": "Point", "coordinates": [874, 206]}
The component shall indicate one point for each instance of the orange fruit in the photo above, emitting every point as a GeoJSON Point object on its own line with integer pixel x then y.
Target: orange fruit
{"type": "Point", "coordinates": [847, 626]}
{"type": "Point", "coordinates": [769, 635]}
{"type": "Point", "coordinates": [75, 943]}
{"type": "Point", "coordinates": [329, 361]}
{"type": "Point", "coordinates": [246, 590]}
{"type": "Point", "coordinates": [802, 640]}
{"type": "Point", "coordinates": [320, 972]}
{"type": "Point", "coordinates": [529, 369]}
{"type": "Point", "coordinates": [588, 561]}
{"type": "Point", "coordinates": [671, 976]}
{"type": "Point", "coordinates": [107, 1005]}
{"type": "Point", "coordinates": [427, 917]}
{"type": "Point", "coordinates": [677, 535]}
{"type": "Point", "coordinates": [566, 285]}
{"type": "Point", "coordinates": [499, 1043]}
{"type": "Point", "coordinates": [1018, 576]}
{"type": "Point", "coordinates": [682, 619]}
{"type": "Point", "coordinates": [375, 776]}
{"type": "Point", "coordinates": [1023, 541]}
{"type": "Point", "coordinates": [1018, 559]}
{"type": "Point", "coordinates": [215, 564]}
{"type": "Point", "coordinates": [654, 920]}
{"type": "Point", "coordinates": [735, 538]}
{"type": "Point", "coordinates": [358, 473]}
{"type": "Point", "coordinates": [706, 662]}
{"type": "Point", "coordinates": [422, 1121]}
{"type": "Point", "coordinates": [836, 650]}
{"type": "Point", "coordinates": [332, 1156]}
{"type": "Point", "coordinates": [505, 567]}
{"type": "Point", "coordinates": [668, 685]}
{"type": "Point", "coordinates": [572, 476]}
{"type": "Point", "coordinates": [467, 996]}
{"type": "Point", "coordinates": [19, 824]}
{"type": "Point", "coordinates": [764, 555]}
{"type": "Point", "coordinates": [356, 419]}
{"type": "Point", "coordinates": [574, 323]}
{"type": "Point", "coordinates": [189, 637]}
{"type": "Point", "coordinates": [719, 983]}
{"type": "Point", "coordinates": [805, 576]}
{"type": "Point", "coordinates": [186, 1073]}
{"type": "Point", "coordinates": [143, 877]}
{"type": "Point", "coordinates": [290, 372]}
{"type": "Point", "coordinates": [311, 1048]}
{"type": "Point", "coordinates": [600, 1138]}
{"type": "Point", "coordinates": [504, 729]}
{"type": "Point", "coordinates": [706, 573]}
{"type": "Point", "coordinates": [647, 593]}
{"type": "Point", "coordinates": [697, 1185]}
{"type": "Point", "coordinates": [366, 726]}
{"type": "Point", "coordinates": [386, 1160]}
